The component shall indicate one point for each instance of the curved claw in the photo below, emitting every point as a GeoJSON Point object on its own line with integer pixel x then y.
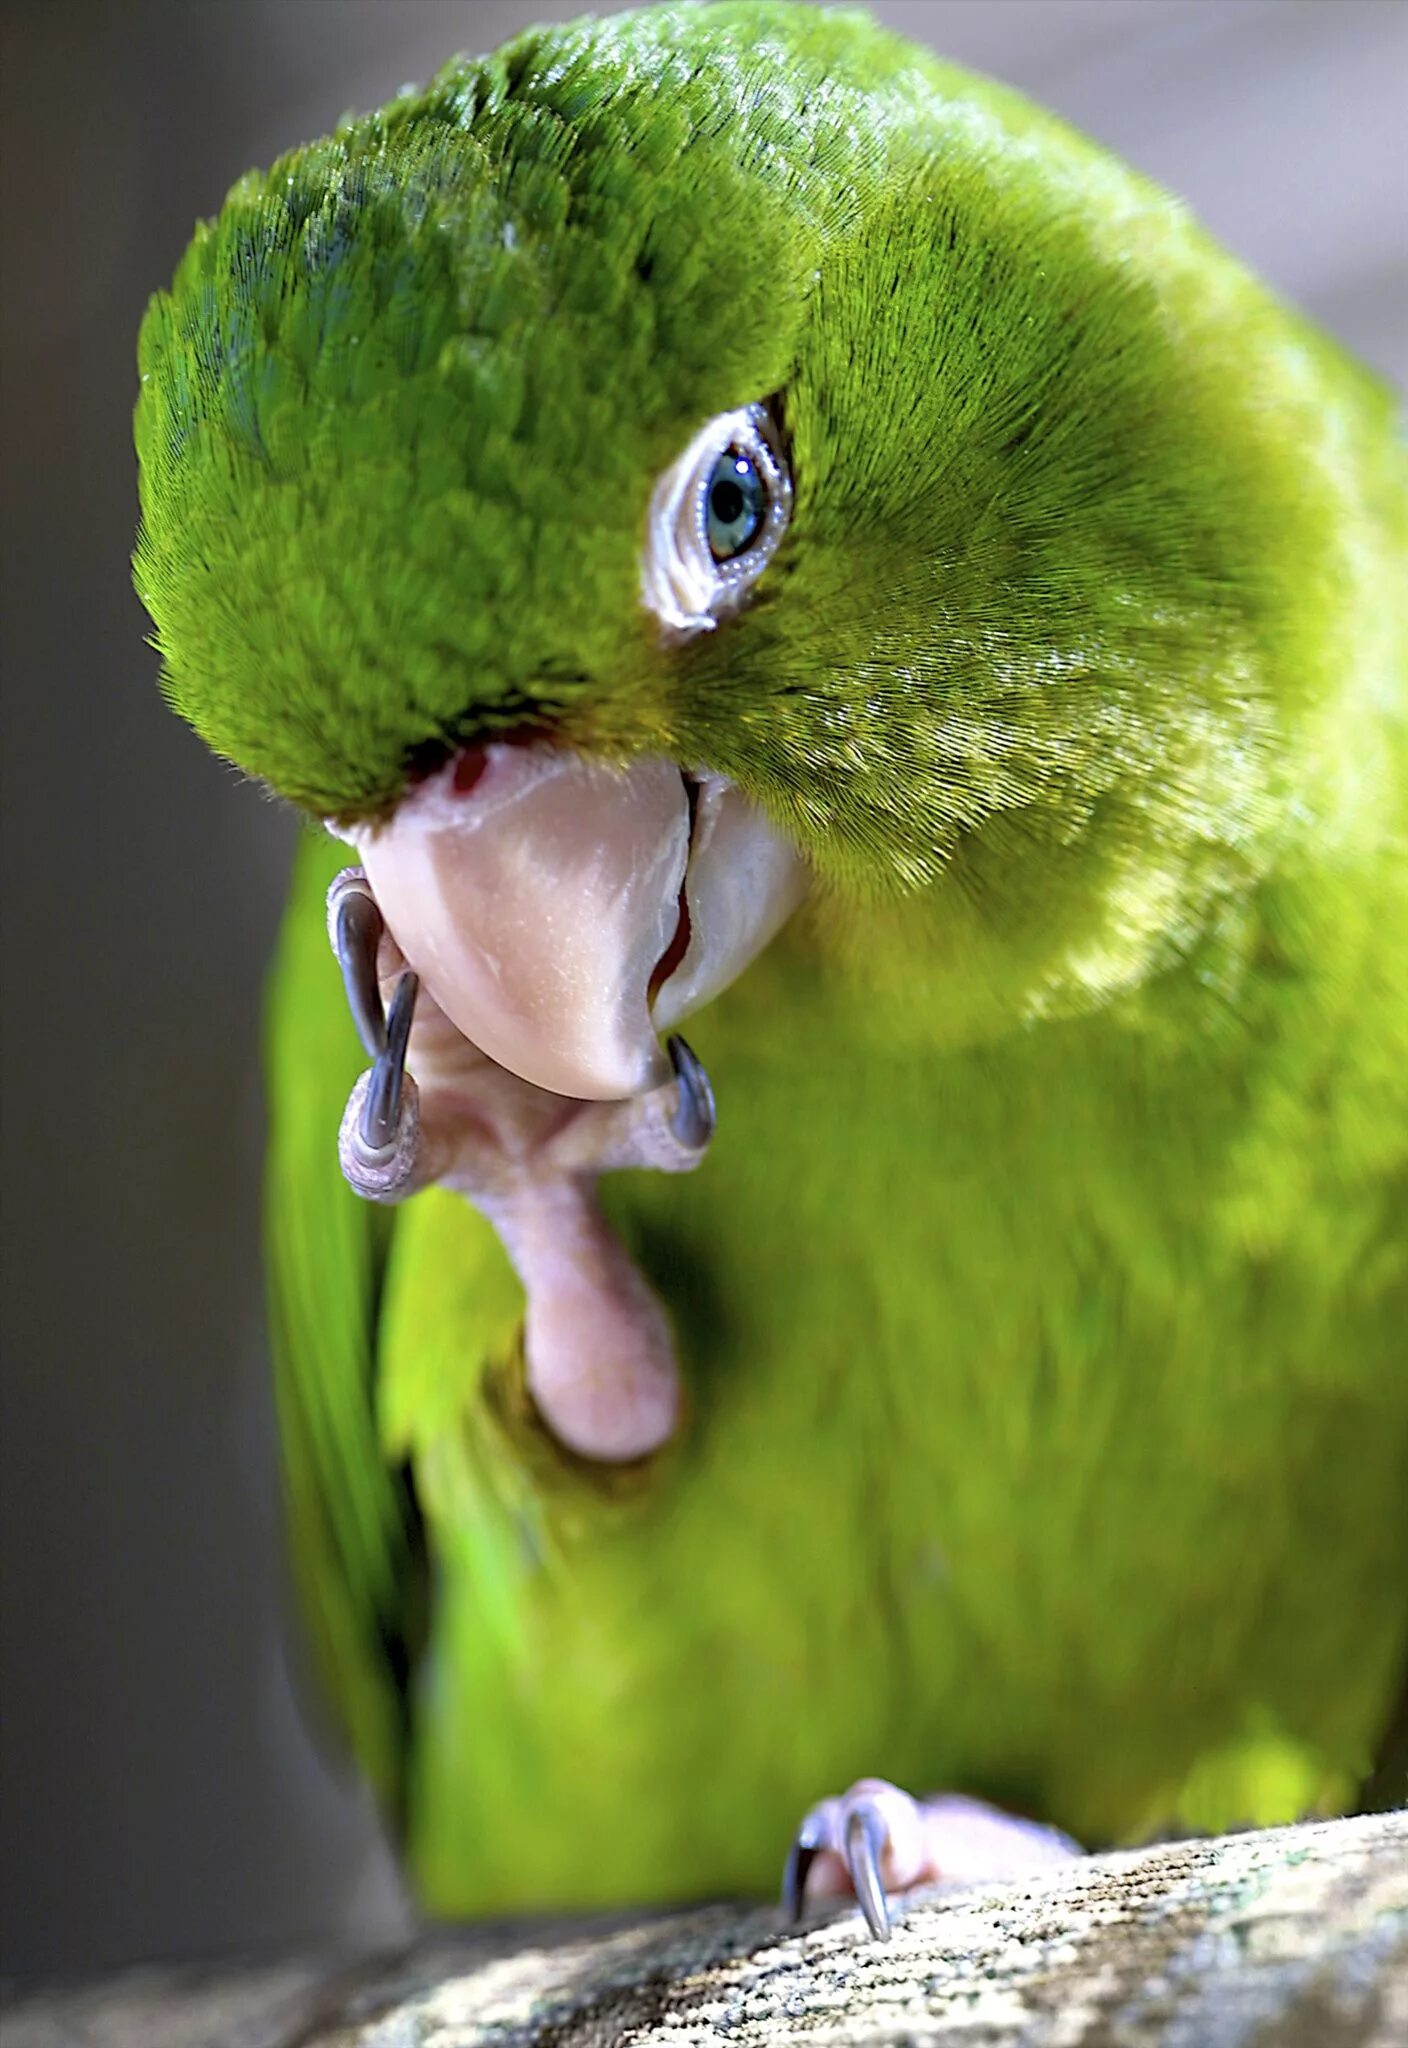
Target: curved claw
{"type": "Point", "coordinates": [865, 1838]}
{"type": "Point", "coordinates": [357, 940]}
{"type": "Point", "coordinates": [381, 1110]}
{"type": "Point", "coordinates": [805, 1843]}
{"type": "Point", "coordinates": [694, 1118]}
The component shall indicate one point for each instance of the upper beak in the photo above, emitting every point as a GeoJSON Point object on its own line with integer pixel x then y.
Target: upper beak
{"type": "Point", "coordinates": [563, 913]}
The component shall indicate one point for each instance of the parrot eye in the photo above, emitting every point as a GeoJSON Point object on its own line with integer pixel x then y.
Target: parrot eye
{"type": "Point", "coordinates": [716, 517]}
{"type": "Point", "coordinates": [737, 505]}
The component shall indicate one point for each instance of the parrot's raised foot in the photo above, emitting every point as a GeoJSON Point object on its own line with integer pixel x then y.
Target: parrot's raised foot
{"type": "Point", "coordinates": [597, 1344]}
{"type": "Point", "coordinates": [481, 1128]}
{"type": "Point", "coordinates": [379, 1141]}
{"type": "Point", "coordinates": [875, 1840]}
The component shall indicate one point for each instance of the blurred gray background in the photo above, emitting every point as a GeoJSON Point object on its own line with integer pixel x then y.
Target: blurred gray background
{"type": "Point", "coordinates": [162, 1793]}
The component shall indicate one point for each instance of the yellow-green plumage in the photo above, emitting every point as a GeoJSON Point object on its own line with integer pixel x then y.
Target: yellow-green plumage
{"type": "Point", "coordinates": [1042, 1301]}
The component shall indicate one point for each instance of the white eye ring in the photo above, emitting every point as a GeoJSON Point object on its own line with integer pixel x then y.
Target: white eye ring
{"type": "Point", "coordinates": [681, 582]}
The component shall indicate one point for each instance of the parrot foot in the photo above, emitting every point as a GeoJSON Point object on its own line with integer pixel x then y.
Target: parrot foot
{"type": "Point", "coordinates": [481, 1128]}
{"type": "Point", "coordinates": [390, 1170]}
{"type": "Point", "coordinates": [378, 1141]}
{"type": "Point", "coordinates": [598, 1346]}
{"type": "Point", "coordinates": [668, 1129]}
{"type": "Point", "coordinates": [875, 1839]}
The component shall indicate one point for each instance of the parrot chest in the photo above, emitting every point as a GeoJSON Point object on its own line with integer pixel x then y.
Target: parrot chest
{"type": "Point", "coordinates": [1007, 1469]}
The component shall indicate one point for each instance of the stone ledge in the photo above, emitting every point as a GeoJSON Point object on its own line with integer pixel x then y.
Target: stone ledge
{"type": "Point", "coordinates": [1290, 1938]}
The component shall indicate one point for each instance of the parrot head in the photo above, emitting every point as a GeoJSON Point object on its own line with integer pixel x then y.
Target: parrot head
{"type": "Point", "coordinates": [688, 457]}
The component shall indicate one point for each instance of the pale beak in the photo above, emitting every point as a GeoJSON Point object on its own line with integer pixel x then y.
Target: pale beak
{"type": "Point", "coordinates": [562, 914]}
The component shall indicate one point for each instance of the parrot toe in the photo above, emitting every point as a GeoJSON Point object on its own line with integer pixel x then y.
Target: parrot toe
{"type": "Point", "coordinates": [380, 1120]}
{"type": "Point", "coordinates": [694, 1117]}
{"type": "Point", "coordinates": [378, 1143]}
{"type": "Point", "coordinates": [355, 930]}
{"type": "Point", "coordinates": [876, 1840]}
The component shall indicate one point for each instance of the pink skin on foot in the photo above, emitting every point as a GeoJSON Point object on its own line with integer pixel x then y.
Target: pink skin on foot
{"type": "Point", "coordinates": [945, 1839]}
{"type": "Point", "coordinates": [598, 1349]}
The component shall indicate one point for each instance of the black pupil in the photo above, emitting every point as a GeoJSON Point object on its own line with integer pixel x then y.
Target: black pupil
{"type": "Point", "coordinates": [726, 501]}
{"type": "Point", "coordinates": [735, 505]}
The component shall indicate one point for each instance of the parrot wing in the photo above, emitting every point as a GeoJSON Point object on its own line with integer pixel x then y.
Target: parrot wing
{"type": "Point", "coordinates": [353, 1526]}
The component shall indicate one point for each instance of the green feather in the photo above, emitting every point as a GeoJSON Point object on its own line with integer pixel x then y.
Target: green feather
{"type": "Point", "coordinates": [352, 1529]}
{"type": "Point", "coordinates": [1042, 1299]}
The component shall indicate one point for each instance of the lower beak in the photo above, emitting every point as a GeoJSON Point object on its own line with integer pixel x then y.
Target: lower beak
{"type": "Point", "coordinates": [562, 914]}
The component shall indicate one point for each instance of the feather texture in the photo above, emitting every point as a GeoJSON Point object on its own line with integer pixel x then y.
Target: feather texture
{"type": "Point", "coordinates": [1042, 1302]}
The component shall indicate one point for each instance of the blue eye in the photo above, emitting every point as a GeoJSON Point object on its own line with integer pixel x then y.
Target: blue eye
{"type": "Point", "coordinates": [716, 517]}
{"type": "Point", "coordinates": [735, 505]}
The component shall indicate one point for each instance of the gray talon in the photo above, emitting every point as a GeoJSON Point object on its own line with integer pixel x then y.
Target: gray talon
{"type": "Point", "coordinates": [805, 1843]}
{"type": "Point", "coordinates": [865, 1838]}
{"type": "Point", "coordinates": [694, 1117]}
{"type": "Point", "coordinates": [381, 1110]}
{"type": "Point", "coordinates": [359, 927]}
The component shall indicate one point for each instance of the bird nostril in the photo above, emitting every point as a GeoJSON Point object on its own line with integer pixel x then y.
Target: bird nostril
{"type": "Point", "coordinates": [470, 758]}
{"type": "Point", "coordinates": [469, 767]}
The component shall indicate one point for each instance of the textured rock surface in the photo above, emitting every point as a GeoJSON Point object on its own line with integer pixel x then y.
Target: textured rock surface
{"type": "Point", "coordinates": [1296, 1937]}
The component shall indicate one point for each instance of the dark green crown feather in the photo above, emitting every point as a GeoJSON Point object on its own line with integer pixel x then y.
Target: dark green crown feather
{"type": "Point", "coordinates": [1075, 500]}
{"type": "Point", "coordinates": [402, 405]}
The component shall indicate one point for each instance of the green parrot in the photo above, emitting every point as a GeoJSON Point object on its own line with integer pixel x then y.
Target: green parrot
{"type": "Point", "coordinates": [723, 516]}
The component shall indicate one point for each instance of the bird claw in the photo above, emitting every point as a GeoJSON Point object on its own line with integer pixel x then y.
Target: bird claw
{"type": "Point", "coordinates": [859, 1839]}
{"type": "Point", "coordinates": [669, 1128]}
{"type": "Point", "coordinates": [381, 1105]}
{"type": "Point", "coordinates": [855, 1830]}
{"type": "Point", "coordinates": [876, 1838]}
{"type": "Point", "coordinates": [862, 1845]}
{"type": "Point", "coordinates": [695, 1116]}
{"type": "Point", "coordinates": [356, 928]}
